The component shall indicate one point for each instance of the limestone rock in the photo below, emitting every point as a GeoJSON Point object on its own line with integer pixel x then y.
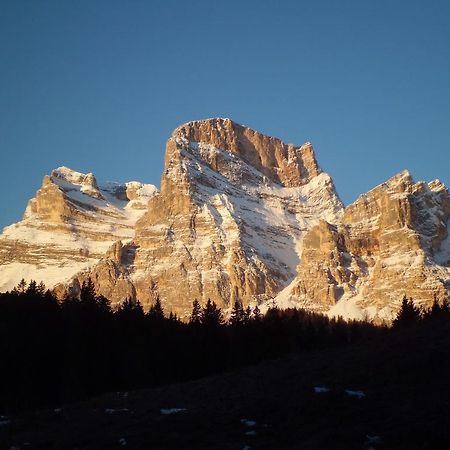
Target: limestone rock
{"type": "Point", "coordinates": [240, 216]}
{"type": "Point", "coordinates": [229, 220]}
{"type": "Point", "coordinates": [69, 226]}
{"type": "Point", "coordinates": [392, 242]}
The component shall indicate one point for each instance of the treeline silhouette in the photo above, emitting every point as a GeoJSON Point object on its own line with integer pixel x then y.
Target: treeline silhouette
{"type": "Point", "coordinates": [54, 352]}
{"type": "Point", "coordinates": [411, 314]}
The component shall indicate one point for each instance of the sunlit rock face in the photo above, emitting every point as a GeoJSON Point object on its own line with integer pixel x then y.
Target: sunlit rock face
{"type": "Point", "coordinates": [228, 223]}
{"type": "Point", "coordinates": [69, 226]}
{"type": "Point", "coordinates": [393, 241]}
{"type": "Point", "coordinates": [240, 217]}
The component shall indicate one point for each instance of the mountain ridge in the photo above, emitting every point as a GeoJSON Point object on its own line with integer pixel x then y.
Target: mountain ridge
{"type": "Point", "coordinates": [241, 216]}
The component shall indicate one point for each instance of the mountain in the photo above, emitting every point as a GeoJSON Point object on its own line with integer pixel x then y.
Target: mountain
{"type": "Point", "coordinates": [240, 216]}
{"type": "Point", "coordinates": [392, 242]}
{"type": "Point", "coordinates": [69, 226]}
{"type": "Point", "coordinates": [227, 224]}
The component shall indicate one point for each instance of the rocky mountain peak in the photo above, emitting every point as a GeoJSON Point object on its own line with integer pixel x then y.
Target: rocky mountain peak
{"type": "Point", "coordinates": [286, 164]}
{"type": "Point", "coordinates": [66, 178]}
{"type": "Point", "coordinates": [69, 225]}
{"type": "Point", "coordinates": [241, 216]}
{"type": "Point", "coordinates": [399, 180]}
{"type": "Point", "coordinates": [392, 241]}
{"type": "Point", "coordinates": [229, 220]}
{"type": "Point", "coordinates": [74, 177]}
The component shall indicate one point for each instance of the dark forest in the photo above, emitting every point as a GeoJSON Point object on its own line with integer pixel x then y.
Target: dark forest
{"type": "Point", "coordinates": [55, 352]}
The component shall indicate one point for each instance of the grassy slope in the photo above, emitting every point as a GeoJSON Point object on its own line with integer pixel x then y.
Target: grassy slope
{"type": "Point", "coordinates": [405, 376]}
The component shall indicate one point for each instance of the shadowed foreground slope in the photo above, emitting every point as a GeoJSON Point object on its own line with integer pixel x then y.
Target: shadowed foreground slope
{"type": "Point", "coordinates": [403, 375]}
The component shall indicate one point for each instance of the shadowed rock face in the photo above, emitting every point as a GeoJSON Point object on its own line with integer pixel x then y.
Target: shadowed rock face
{"type": "Point", "coordinates": [240, 216]}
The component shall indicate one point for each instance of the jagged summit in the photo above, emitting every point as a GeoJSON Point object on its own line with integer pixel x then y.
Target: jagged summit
{"type": "Point", "coordinates": [69, 225]}
{"type": "Point", "coordinates": [67, 179]}
{"type": "Point", "coordinates": [229, 221]}
{"type": "Point", "coordinates": [74, 177]}
{"type": "Point", "coordinates": [286, 164]}
{"type": "Point", "coordinates": [391, 242]}
{"type": "Point", "coordinates": [399, 179]}
{"type": "Point", "coordinates": [241, 216]}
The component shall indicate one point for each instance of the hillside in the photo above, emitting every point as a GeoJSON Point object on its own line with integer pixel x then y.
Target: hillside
{"type": "Point", "coordinates": [403, 376]}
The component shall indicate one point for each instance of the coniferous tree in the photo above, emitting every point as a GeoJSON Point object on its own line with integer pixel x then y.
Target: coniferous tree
{"type": "Point", "coordinates": [438, 310]}
{"type": "Point", "coordinates": [173, 317]}
{"type": "Point", "coordinates": [247, 315]}
{"type": "Point", "coordinates": [196, 314]}
{"type": "Point", "coordinates": [130, 307]}
{"type": "Point", "coordinates": [41, 289]}
{"type": "Point", "coordinates": [237, 317]}
{"type": "Point", "coordinates": [257, 316]}
{"type": "Point", "coordinates": [88, 294]}
{"type": "Point", "coordinates": [32, 288]}
{"type": "Point", "coordinates": [408, 315]}
{"type": "Point", "coordinates": [103, 304]}
{"type": "Point", "coordinates": [156, 311]}
{"type": "Point", "coordinates": [435, 311]}
{"type": "Point", "coordinates": [50, 299]}
{"type": "Point", "coordinates": [212, 315]}
{"type": "Point", "coordinates": [77, 350]}
{"type": "Point", "coordinates": [21, 286]}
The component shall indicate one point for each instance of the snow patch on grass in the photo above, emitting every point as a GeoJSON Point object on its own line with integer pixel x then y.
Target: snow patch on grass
{"type": "Point", "coordinates": [169, 411]}
{"type": "Point", "coordinates": [357, 394]}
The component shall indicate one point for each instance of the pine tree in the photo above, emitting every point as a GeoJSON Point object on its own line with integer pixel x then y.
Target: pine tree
{"type": "Point", "coordinates": [32, 288]}
{"type": "Point", "coordinates": [257, 316]}
{"type": "Point", "coordinates": [88, 295]}
{"type": "Point", "coordinates": [438, 310]}
{"type": "Point", "coordinates": [196, 314]}
{"type": "Point", "coordinates": [247, 315]}
{"type": "Point", "coordinates": [212, 315]}
{"type": "Point", "coordinates": [41, 289]}
{"type": "Point", "coordinates": [103, 304]}
{"type": "Point", "coordinates": [130, 308]}
{"type": "Point", "coordinates": [50, 298]}
{"type": "Point", "coordinates": [408, 315]}
{"type": "Point", "coordinates": [21, 286]}
{"type": "Point", "coordinates": [435, 311]}
{"type": "Point", "coordinates": [237, 314]}
{"type": "Point", "coordinates": [156, 311]}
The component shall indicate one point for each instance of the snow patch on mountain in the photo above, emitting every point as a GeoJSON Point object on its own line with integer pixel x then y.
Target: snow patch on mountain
{"type": "Point", "coordinates": [50, 274]}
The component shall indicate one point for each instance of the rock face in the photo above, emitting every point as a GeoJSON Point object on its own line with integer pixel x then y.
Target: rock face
{"type": "Point", "coordinates": [240, 216]}
{"type": "Point", "coordinates": [393, 241]}
{"type": "Point", "coordinates": [68, 226]}
{"type": "Point", "coordinates": [228, 222]}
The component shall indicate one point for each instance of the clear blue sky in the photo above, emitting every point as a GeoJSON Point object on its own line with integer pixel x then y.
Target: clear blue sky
{"type": "Point", "coordinates": [99, 85]}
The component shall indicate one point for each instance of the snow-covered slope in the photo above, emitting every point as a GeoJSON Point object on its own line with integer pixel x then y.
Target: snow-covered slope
{"type": "Point", "coordinates": [69, 226]}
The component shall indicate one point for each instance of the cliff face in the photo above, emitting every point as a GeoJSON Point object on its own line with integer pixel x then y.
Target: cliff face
{"type": "Point", "coordinates": [240, 216]}
{"type": "Point", "coordinates": [68, 226]}
{"type": "Point", "coordinates": [228, 222]}
{"type": "Point", "coordinates": [393, 241]}
{"type": "Point", "coordinates": [281, 163]}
